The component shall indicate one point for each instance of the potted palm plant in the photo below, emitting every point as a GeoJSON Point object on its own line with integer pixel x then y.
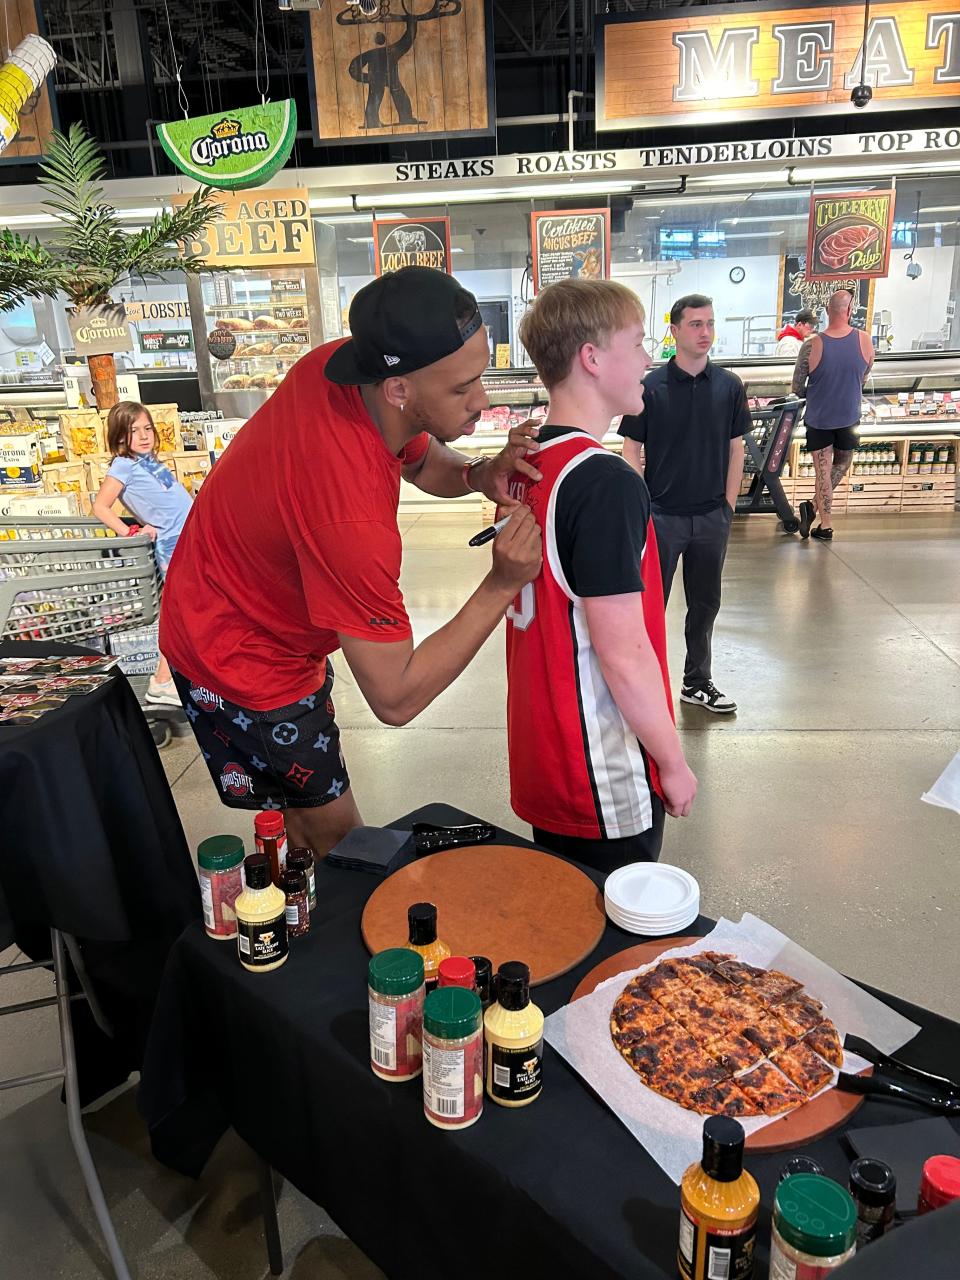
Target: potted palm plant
{"type": "Point", "coordinates": [91, 253]}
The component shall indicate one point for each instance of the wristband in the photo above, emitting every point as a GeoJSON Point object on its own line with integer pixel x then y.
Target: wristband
{"type": "Point", "coordinates": [465, 473]}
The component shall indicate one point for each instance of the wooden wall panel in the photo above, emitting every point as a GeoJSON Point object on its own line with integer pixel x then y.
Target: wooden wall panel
{"type": "Point", "coordinates": [445, 74]}
{"type": "Point", "coordinates": [641, 64]}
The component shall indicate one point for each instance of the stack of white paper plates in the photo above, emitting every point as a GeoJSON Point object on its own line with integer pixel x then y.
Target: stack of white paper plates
{"type": "Point", "coordinates": [651, 898]}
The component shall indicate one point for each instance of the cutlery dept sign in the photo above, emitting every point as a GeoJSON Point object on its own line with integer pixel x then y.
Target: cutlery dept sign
{"type": "Point", "coordinates": [408, 69]}
{"type": "Point", "coordinates": [99, 331]}
{"type": "Point", "coordinates": [848, 236]}
{"type": "Point", "coordinates": [257, 229]}
{"type": "Point", "coordinates": [399, 242]}
{"type": "Point", "coordinates": [570, 244]}
{"type": "Point", "coordinates": [727, 62]}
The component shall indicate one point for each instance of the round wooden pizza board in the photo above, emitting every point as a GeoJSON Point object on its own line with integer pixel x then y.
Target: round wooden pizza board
{"type": "Point", "coordinates": [813, 1120]}
{"type": "Point", "coordinates": [498, 901]}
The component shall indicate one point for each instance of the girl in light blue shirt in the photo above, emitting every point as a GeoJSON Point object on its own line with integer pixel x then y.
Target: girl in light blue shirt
{"type": "Point", "coordinates": [151, 494]}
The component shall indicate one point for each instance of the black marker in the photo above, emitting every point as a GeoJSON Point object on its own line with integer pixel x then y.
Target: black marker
{"type": "Point", "coordinates": [486, 535]}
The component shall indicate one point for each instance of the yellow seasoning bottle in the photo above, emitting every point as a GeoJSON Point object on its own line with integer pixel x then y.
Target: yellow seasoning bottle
{"type": "Point", "coordinates": [261, 918]}
{"type": "Point", "coordinates": [718, 1208]}
{"type": "Point", "coordinates": [514, 1033]}
{"type": "Point", "coordinates": [422, 924]}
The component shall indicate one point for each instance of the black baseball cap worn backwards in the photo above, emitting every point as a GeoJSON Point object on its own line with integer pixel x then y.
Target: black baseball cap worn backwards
{"type": "Point", "coordinates": [403, 321]}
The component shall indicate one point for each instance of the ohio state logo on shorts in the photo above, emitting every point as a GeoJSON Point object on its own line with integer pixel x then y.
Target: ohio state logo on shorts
{"type": "Point", "coordinates": [235, 781]}
{"type": "Point", "coordinates": [205, 699]}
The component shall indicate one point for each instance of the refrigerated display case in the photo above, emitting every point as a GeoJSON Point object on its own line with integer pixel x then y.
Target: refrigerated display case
{"type": "Point", "coordinates": [274, 316]}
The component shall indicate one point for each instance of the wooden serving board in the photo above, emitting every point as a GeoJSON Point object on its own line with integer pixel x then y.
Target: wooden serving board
{"type": "Point", "coordinates": [498, 901]}
{"type": "Point", "coordinates": [820, 1116]}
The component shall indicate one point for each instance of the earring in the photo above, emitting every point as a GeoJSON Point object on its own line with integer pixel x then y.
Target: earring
{"type": "Point", "coordinates": [403, 405]}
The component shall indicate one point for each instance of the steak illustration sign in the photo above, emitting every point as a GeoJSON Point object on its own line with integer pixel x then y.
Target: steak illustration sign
{"type": "Point", "coordinates": [848, 236]}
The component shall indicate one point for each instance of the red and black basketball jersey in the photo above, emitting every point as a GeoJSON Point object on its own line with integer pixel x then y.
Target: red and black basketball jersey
{"type": "Point", "coordinates": [576, 768]}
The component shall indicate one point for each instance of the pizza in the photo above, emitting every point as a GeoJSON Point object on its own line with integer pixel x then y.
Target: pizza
{"type": "Point", "coordinates": [721, 1037]}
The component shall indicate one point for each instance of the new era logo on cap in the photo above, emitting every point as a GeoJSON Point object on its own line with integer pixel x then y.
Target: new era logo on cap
{"type": "Point", "coordinates": [391, 360]}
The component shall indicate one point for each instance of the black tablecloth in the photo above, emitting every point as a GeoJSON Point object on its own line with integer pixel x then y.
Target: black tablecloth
{"type": "Point", "coordinates": [559, 1188]}
{"type": "Point", "coordinates": [91, 843]}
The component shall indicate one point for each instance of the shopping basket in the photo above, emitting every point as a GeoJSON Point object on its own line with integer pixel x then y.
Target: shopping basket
{"type": "Point", "coordinates": [68, 579]}
{"type": "Point", "coordinates": [766, 447]}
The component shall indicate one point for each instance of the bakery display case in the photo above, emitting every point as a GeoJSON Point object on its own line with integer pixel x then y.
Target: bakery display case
{"type": "Point", "coordinates": [250, 327]}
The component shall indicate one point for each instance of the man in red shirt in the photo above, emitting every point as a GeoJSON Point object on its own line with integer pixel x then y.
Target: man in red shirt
{"type": "Point", "coordinates": [292, 551]}
{"type": "Point", "coordinates": [594, 753]}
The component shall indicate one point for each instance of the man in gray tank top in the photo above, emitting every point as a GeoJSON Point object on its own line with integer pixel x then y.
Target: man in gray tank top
{"type": "Point", "coordinates": [831, 369]}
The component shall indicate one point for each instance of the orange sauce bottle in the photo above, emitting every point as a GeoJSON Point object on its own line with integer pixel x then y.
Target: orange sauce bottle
{"type": "Point", "coordinates": [718, 1208]}
{"type": "Point", "coordinates": [422, 923]}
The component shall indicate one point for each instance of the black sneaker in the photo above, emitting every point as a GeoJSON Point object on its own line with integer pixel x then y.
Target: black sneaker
{"type": "Point", "coordinates": [808, 513]}
{"type": "Point", "coordinates": [824, 535]}
{"type": "Point", "coordinates": [710, 698]}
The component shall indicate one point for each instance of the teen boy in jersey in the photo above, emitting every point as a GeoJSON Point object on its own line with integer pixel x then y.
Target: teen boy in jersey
{"type": "Point", "coordinates": [594, 752]}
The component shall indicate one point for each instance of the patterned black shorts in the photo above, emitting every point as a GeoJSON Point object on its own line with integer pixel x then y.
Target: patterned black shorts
{"type": "Point", "coordinates": [286, 758]}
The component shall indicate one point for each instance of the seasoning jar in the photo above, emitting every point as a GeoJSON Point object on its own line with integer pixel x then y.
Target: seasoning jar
{"type": "Point", "coordinates": [800, 1164]}
{"type": "Point", "coordinates": [939, 1184]}
{"type": "Point", "coordinates": [456, 971]}
{"type": "Point", "coordinates": [452, 1058]}
{"type": "Point", "coordinates": [270, 835]}
{"type": "Point", "coordinates": [483, 982]}
{"type": "Point", "coordinates": [873, 1185]}
{"type": "Point", "coordinates": [514, 1033]}
{"type": "Point", "coordinates": [719, 1202]}
{"type": "Point", "coordinates": [261, 918]}
{"type": "Point", "coordinates": [395, 991]}
{"type": "Point", "coordinates": [302, 859]}
{"type": "Point", "coordinates": [422, 925]}
{"type": "Point", "coordinates": [294, 885]}
{"type": "Point", "coordinates": [220, 863]}
{"type": "Point", "coordinates": [814, 1228]}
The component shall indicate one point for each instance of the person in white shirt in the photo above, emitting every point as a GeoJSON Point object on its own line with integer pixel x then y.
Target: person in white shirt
{"type": "Point", "coordinates": [792, 336]}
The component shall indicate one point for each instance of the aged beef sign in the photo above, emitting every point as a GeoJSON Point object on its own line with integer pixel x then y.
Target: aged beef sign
{"type": "Point", "coordinates": [403, 242]}
{"type": "Point", "coordinates": [848, 236]}
{"type": "Point", "coordinates": [750, 61]}
{"type": "Point", "coordinates": [401, 68]}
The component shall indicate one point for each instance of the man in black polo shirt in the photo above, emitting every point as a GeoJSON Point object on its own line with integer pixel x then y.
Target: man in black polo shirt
{"type": "Point", "coordinates": [688, 444]}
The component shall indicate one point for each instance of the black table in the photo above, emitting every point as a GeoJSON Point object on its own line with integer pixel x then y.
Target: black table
{"type": "Point", "coordinates": [557, 1189]}
{"type": "Point", "coordinates": [91, 844]}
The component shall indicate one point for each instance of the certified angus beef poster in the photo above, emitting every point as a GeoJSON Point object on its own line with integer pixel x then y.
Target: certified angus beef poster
{"type": "Point", "coordinates": [848, 236]}
{"type": "Point", "coordinates": [570, 244]}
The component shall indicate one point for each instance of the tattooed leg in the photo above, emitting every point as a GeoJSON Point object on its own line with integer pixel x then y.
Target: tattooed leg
{"type": "Point", "coordinates": [841, 465]}
{"type": "Point", "coordinates": [823, 492]}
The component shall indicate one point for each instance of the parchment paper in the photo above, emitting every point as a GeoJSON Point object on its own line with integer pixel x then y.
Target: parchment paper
{"type": "Point", "coordinates": [673, 1136]}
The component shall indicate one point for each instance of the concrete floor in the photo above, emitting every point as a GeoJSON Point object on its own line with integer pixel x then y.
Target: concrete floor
{"type": "Point", "coordinates": [845, 660]}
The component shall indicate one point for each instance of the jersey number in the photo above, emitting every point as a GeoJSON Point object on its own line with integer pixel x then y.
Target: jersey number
{"type": "Point", "coordinates": [524, 609]}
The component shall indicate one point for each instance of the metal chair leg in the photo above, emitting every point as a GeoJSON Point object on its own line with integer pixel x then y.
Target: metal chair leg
{"type": "Point", "coordinates": [74, 1118]}
{"type": "Point", "coordinates": [268, 1207]}
{"type": "Point", "coordinates": [80, 968]}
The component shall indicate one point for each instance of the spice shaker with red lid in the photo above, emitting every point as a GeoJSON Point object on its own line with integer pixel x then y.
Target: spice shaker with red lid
{"type": "Point", "coordinates": [940, 1183]}
{"type": "Point", "coordinates": [271, 840]}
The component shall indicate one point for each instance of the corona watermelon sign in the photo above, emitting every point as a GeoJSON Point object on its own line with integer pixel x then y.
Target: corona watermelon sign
{"type": "Point", "coordinates": [233, 149]}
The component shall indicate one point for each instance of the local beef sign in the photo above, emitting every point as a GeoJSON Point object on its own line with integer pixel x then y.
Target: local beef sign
{"type": "Point", "coordinates": [402, 242]}
{"type": "Point", "coordinates": [848, 236]}
{"type": "Point", "coordinates": [751, 61]}
{"type": "Point", "coordinates": [572, 244]}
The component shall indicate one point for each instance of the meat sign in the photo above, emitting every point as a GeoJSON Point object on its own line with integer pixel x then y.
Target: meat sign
{"type": "Point", "coordinates": [848, 235]}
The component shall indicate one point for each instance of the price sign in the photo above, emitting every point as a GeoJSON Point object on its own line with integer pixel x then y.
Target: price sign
{"type": "Point", "coordinates": [166, 340]}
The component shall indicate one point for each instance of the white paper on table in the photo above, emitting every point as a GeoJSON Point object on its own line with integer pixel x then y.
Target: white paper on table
{"type": "Point", "coordinates": [945, 792]}
{"type": "Point", "coordinates": [580, 1032]}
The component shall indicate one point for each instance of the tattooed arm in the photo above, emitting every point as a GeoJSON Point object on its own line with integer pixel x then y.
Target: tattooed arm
{"type": "Point", "coordinates": [801, 369]}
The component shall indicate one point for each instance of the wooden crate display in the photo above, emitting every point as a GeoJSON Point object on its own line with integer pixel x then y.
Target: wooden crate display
{"type": "Point", "coordinates": [190, 468]}
{"type": "Point", "coordinates": [68, 477]}
{"type": "Point", "coordinates": [929, 493]}
{"type": "Point", "coordinates": [902, 491]}
{"type": "Point", "coordinates": [82, 433]}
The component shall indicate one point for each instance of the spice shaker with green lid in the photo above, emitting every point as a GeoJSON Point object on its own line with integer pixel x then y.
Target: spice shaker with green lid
{"type": "Point", "coordinates": [395, 993]}
{"type": "Point", "coordinates": [814, 1228]}
{"type": "Point", "coordinates": [220, 867]}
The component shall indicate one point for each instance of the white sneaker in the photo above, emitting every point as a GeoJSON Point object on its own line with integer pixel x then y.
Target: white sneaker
{"type": "Point", "coordinates": [710, 698]}
{"type": "Point", "coordinates": [164, 695]}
